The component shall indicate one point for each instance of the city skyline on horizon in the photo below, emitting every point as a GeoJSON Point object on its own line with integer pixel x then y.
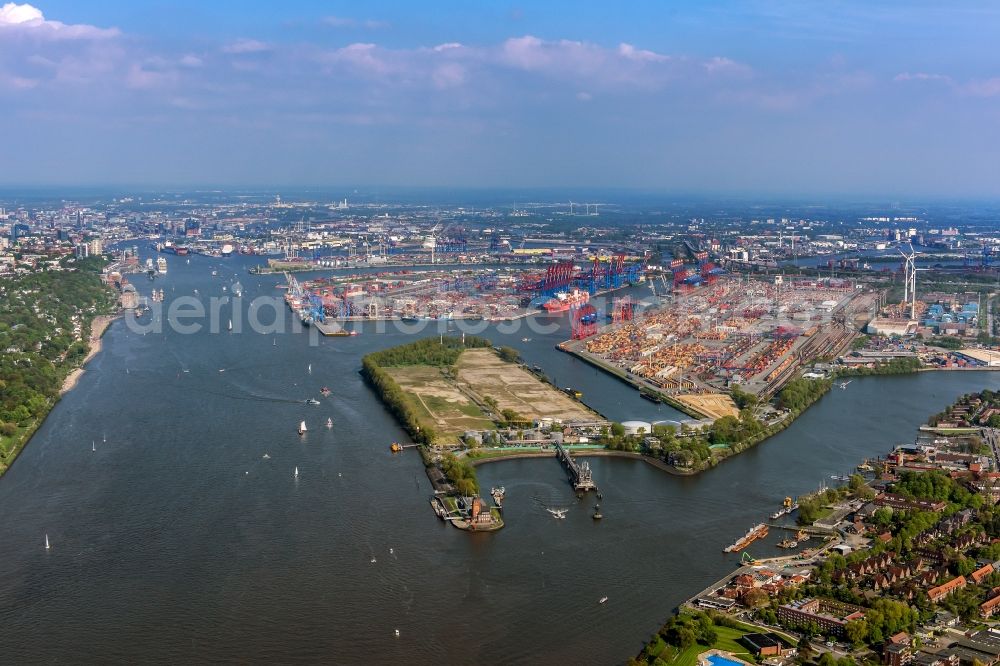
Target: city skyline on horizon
{"type": "Point", "coordinates": [760, 99]}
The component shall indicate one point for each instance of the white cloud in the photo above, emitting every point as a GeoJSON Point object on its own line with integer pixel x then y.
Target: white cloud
{"type": "Point", "coordinates": [345, 22]}
{"type": "Point", "coordinates": [922, 76]}
{"type": "Point", "coordinates": [191, 61]}
{"type": "Point", "coordinates": [28, 20]}
{"type": "Point", "coordinates": [242, 46]}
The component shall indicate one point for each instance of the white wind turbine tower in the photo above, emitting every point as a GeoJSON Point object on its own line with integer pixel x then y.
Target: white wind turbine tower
{"type": "Point", "coordinates": [910, 281]}
{"type": "Point", "coordinates": [431, 241]}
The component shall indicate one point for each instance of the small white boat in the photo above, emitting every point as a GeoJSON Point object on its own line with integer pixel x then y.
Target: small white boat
{"type": "Point", "coordinates": [602, 600]}
{"type": "Point", "coordinates": [230, 324]}
{"type": "Point", "coordinates": [397, 633]}
{"type": "Point", "coordinates": [390, 551]}
{"type": "Point", "coordinates": [312, 401]}
{"type": "Point", "coordinates": [302, 428]}
{"type": "Point", "coordinates": [266, 457]}
{"type": "Point", "coordinates": [310, 368]}
{"type": "Point", "coordinates": [93, 446]}
{"type": "Point", "coordinates": [329, 423]}
{"type": "Point", "coordinates": [373, 560]}
{"type": "Point", "coordinates": [558, 513]}
{"type": "Point", "coordinates": [296, 472]}
{"type": "Point", "coordinates": [274, 342]}
{"type": "Point", "coordinates": [47, 547]}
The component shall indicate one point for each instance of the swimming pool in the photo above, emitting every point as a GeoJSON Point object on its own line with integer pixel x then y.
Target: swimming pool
{"type": "Point", "coordinates": [719, 660]}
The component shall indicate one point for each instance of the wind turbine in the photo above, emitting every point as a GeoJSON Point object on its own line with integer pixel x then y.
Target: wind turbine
{"type": "Point", "coordinates": [431, 241]}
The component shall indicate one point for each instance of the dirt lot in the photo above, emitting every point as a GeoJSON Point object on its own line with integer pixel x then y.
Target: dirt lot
{"type": "Point", "coordinates": [445, 403]}
{"type": "Point", "coordinates": [483, 373]}
{"type": "Point", "coordinates": [438, 401]}
{"type": "Point", "coordinates": [712, 405]}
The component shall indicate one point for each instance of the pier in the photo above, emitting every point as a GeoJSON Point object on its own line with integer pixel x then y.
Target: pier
{"type": "Point", "coordinates": [580, 475]}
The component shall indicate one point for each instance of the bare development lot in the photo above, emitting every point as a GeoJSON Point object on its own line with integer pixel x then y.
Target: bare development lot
{"type": "Point", "coordinates": [451, 401]}
{"type": "Point", "coordinates": [712, 405]}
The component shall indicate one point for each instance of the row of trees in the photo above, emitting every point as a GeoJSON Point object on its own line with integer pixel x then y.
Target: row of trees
{"type": "Point", "coordinates": [800, 393]}
{"type": "Point", "coordinates": [435, 351]}
{"type": "Point", "coordinates": [896, 366]}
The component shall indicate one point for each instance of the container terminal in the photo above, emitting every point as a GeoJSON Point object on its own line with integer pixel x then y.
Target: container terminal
{"type": "Point", "coordinates": [485, 293]}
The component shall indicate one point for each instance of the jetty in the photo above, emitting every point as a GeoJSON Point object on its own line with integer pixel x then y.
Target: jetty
{"type": "Point", "coordinates": [580, 474]}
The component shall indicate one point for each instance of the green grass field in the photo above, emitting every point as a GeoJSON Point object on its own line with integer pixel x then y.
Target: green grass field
{"type": "Point", "coordinates": [728, 641]}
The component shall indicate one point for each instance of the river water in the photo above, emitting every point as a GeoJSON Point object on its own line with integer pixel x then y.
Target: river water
{"type": "Point", "coordinates": [177, 541]}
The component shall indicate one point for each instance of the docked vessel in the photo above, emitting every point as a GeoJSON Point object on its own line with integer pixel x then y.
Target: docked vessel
{"type": "Point", "coordinates": [572, 392]}
{"type": "Point", "coordinates": [788, 543]}
{"type": "Point", "coordinates": [498, 495]}
{"type": "Point", "coordinates": [786, 508]}
{"type": "Point", "coordinates": [758, 531]}
{"type": "Point", "coordinates": [227, 250]}
{"type": "Point", "coordinates": [161, 265]}
{"type": "Point", "coordinates": [396, 447]}
{"type": "Point", "coordinates": [564, 300]}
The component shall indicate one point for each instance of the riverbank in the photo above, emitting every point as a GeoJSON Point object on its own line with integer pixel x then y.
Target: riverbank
{"type": "Point", "coordinates": [98, 327]}
{"type": "Point", "coordinates": [16, 443]}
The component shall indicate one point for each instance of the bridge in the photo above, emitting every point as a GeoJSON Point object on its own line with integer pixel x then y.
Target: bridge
{"type": "Point", "coordinates": [579, 473]}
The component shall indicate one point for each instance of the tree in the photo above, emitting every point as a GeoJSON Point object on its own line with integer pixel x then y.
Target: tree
{"type": "Point", "coordinates": [856, 631]}
{"type": "Point", "coordinates": [827, 659]}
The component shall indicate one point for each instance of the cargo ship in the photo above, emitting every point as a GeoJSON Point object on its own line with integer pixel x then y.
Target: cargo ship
{"type": "Point", "coordinates": [565, 300]}
{"type": "Point", "coordinates": [758, 531]}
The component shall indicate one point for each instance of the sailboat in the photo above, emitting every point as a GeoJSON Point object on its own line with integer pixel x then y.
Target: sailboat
{"type": "Point", "coordinates": [47, 547]}
{"type": "Point", "coordinates": [274, 342]}
{"type": "Point", "coordinates": [105, 440]}
{"type": "Point", "coordinates": [296, 472]}
{"type": "Point", "coordinates": [93, 446]}
{"type": "Point", "coordinates": [302, 428]}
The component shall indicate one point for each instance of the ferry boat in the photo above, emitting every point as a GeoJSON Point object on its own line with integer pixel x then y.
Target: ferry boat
{"type": "Point", "coordinates": [758, 531]}
{"type": "Point", "coordinates": [565, 300]}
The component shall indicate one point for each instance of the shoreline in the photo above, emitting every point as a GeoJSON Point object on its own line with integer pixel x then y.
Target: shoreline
{"type": "Point", "coordinates": [98, 327]}
{"type": "Point", "coordinates": [592, 453]}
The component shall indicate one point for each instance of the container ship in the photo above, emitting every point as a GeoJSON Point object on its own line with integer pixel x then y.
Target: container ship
{"type": "Point", "coordinates": [565, 300]}
{"type": "Point", "coordinates": [758, 531]}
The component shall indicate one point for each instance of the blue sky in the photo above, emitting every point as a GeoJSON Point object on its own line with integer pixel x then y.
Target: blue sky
{"type": "Point", "coordinates": [853, 98]}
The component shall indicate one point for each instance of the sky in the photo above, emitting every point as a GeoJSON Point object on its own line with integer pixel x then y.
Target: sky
{"type": "Point", "coordinates": [883, 99]}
